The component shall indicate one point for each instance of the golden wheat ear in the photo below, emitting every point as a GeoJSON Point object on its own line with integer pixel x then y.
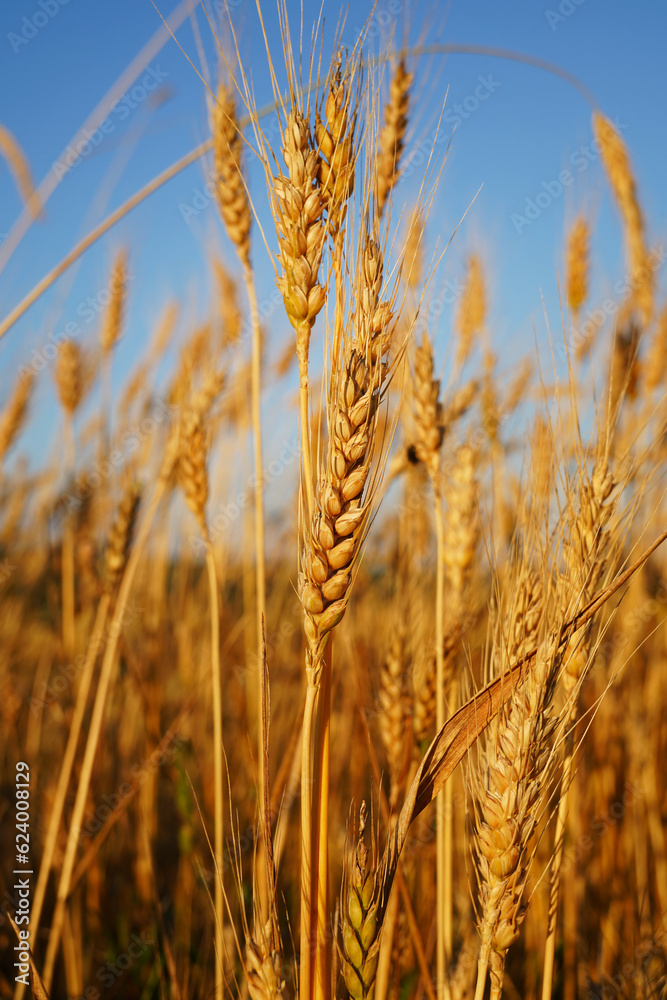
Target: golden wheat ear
{"type": "Point", "coordinates": [460, 732]}
{"type": "Point", "coordinates": [14, 414]}
{"type": "Point", "coordinates": [392, 135]}
{"type": "Point", "coordinates": [360, 928]}
{"type": "Point", "coordinates": [18, 163]}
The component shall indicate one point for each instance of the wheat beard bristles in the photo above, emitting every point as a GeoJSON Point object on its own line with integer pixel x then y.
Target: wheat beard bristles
{"type": "Point", "coordinates": [338, 526]}
{"type": "Point", "coordinates": [360, 950]}
{"type": "Point", "coordinates": [513, 782]}
{"type": "Point", "coordinates": [619, 172]}
{"type": "Point", "coordinates": [297, 204]}
{"type": "Point", "coordinates": [393, 134]}
{"type": "Point", "coordinates": [578, 247]}
{"type": "Point", "coordinates": [230, 189]}
{"type": "Point", "coordinates": [336, 145]}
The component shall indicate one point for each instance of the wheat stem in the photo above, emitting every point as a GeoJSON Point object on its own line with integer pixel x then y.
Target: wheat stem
{"type": "Point", "coordinates": [68, 542]}
{"type": "Point", "coordinates": [66, 767]}
{"type": "Point", "coordinates": [260, 563]}
{"type": "Point", "coordinates": [218, 774]}
{"type": "Point", "coordinates": [94, 732]}
{"type": "Point", "coordinates": [306, 841]}
{"type": "Point", "coordinates": [443, 863]}
{"type": "Point", "coordinates": [561, 818]}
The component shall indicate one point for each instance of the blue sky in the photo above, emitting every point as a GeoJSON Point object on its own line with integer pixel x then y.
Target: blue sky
{"type": "Point", "coordinates": [58, 59]}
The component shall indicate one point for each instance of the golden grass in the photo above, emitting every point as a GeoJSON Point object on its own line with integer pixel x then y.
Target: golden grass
{"type": "Point", "coordinates": [305, 688]}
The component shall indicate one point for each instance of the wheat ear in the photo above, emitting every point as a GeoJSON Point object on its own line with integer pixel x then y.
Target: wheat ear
{"type": "Point", "coordinates": [512, 786]}
{"type": "Point", "coordinates": [297, 209]}
{"type": "Point", "coordinates": [392, 698]}
{"type": "Point", "coordinates": [230, 189]}
{"type": "Point", "coordinates": [69, 375]}
{"type": "Point", "coordinates": [585, 554]}
{"type": "Point", "coordinates": [332, 543]}
{"type": "Point", "coordinates": [472, 309]}
{"type": "Point", "coordinates": [360, 946]}
{"type": "Point", "coordinates": [392, 135]}
{"type": "Point", "coordinates": [578, 264]}
{"type": "Point", "coordinates": [193, 475]}
{"type": "Point", "coordinates": [458, 550]}
{"type": "Point", "coordinates": [14, 414]}
{"type": "Point", "coordinates": [616, 160]}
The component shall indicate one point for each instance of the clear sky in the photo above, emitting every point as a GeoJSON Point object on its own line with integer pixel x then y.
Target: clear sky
{"type": "Point", "coordinates": [511, 142]}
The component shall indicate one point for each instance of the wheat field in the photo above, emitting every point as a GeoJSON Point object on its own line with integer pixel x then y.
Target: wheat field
{"type": "Point", "coordinates": [399, 733]}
